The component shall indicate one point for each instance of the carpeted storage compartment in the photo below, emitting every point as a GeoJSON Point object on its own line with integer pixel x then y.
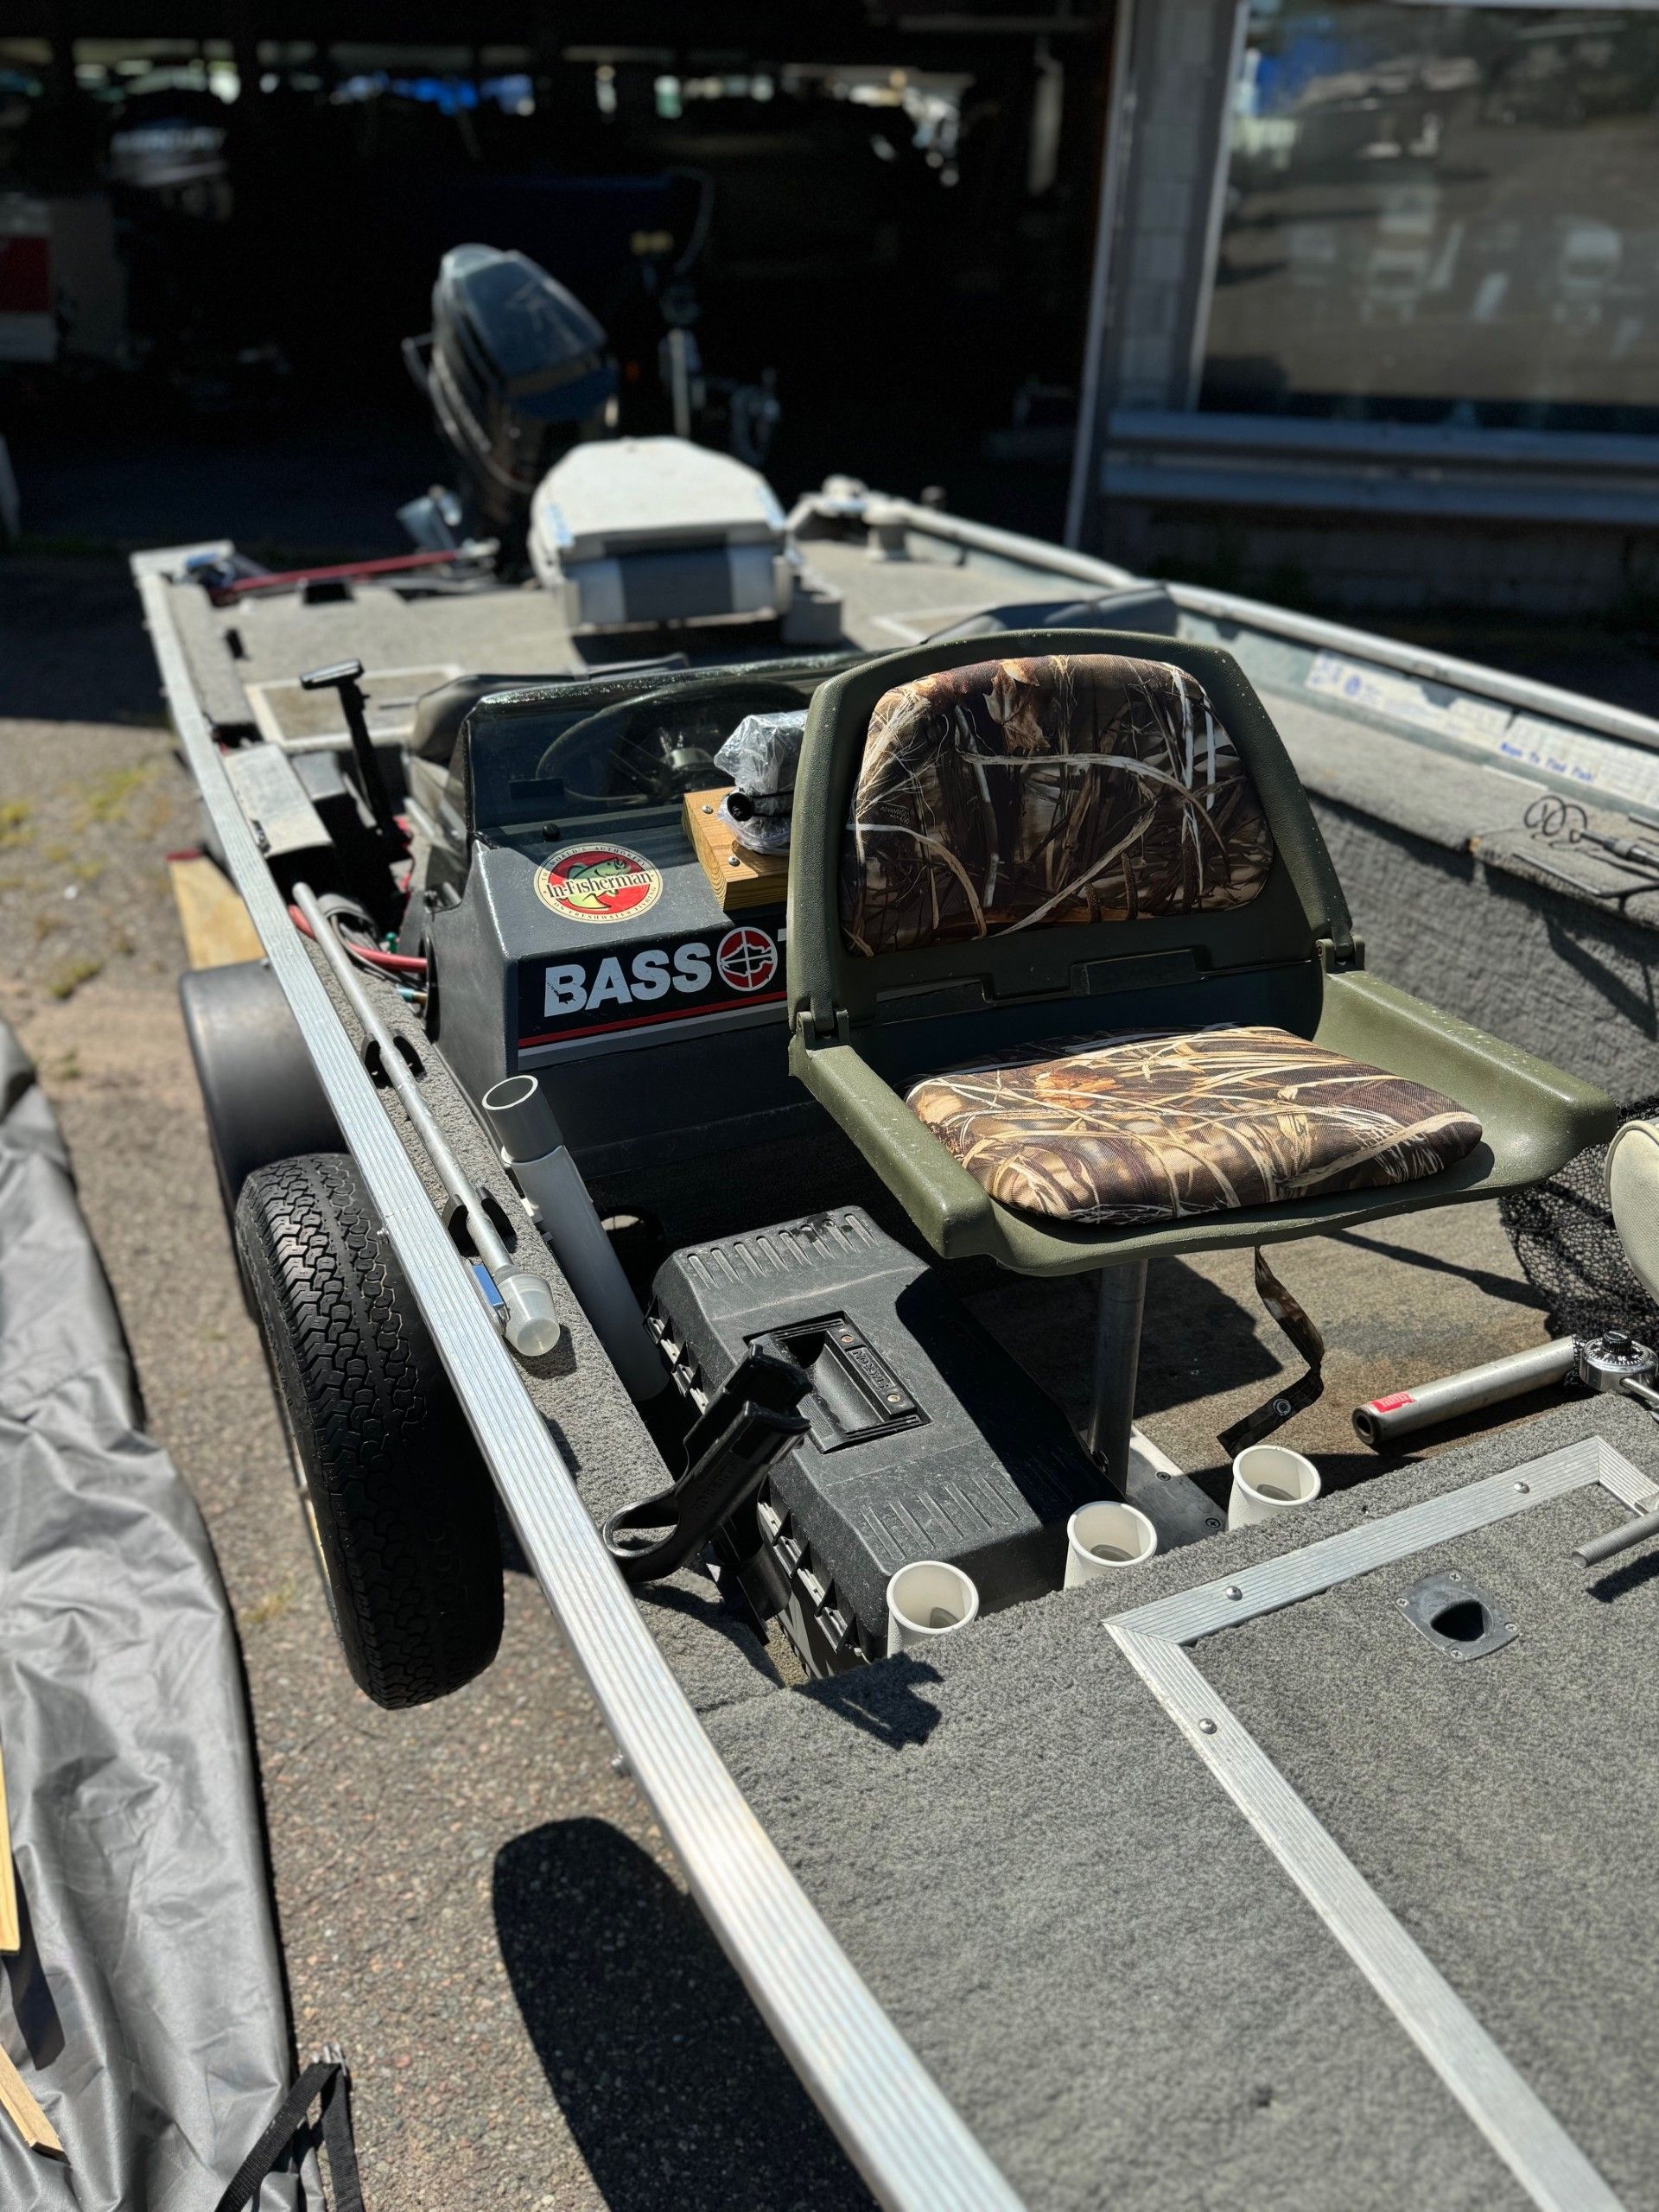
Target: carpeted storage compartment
{"type": "Point", "coordinates": [927, 1441]}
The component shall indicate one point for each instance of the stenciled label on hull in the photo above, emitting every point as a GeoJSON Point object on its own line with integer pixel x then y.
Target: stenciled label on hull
{"type": "Point", "coordinates": [591, 994]}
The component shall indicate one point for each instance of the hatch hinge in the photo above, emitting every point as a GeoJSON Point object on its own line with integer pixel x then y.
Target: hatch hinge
{"type": "Point", "coordinates": [1334, 957]}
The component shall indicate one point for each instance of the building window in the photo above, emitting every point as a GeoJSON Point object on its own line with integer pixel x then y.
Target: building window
{"type": "Point", "coordinates": [1442, 213]}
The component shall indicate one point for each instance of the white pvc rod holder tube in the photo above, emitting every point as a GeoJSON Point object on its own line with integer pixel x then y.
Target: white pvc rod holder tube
{"type": "Point", "coordinates": [1104, 1537]}
{"type": "Point", "coordinates": [928, 1599]}
{"type": "Point", "coordinates": [533, 1146]}
{"type": "Point", "coordinates": [1269, 1479]}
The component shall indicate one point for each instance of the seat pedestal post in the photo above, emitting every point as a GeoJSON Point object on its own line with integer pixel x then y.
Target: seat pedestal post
{"type": "Point", "coordinates": [1117, 1360]}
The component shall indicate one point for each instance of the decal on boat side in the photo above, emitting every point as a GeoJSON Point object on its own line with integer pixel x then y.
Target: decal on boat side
{"type": "Point", "coordinates": [747, 958]}
{"type": "Point", "coordinates": [705, 973]}
{"type": "Point", "coordinates": [598, 883]}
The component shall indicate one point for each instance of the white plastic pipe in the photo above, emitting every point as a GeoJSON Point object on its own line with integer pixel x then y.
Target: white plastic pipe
{"type": "Point", "coordinates": [1269, 1479]}
{"type": "Point", "coordinates": [927, 1599]}
{"type": "Point", "coordinates": [1101, 1537]}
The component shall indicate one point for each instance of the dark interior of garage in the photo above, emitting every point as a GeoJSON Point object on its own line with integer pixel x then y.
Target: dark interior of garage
{"type": "Point", "coordinates": [858, 236]}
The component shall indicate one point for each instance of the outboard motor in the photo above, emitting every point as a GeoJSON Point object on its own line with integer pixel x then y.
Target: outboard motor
{"type": "Point", "coordinates": [517, 371]}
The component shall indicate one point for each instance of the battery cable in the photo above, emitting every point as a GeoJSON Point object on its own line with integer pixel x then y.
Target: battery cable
{"type": "Point", "coordinates": [371, 956]}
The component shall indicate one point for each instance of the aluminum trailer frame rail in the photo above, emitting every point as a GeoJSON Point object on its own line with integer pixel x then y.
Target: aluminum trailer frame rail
{"type": "Point", "coordinates": [895, 2123]}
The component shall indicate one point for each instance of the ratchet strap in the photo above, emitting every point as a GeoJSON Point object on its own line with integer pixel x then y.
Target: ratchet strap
{"type": "Point", "coordinates": [1298, 1394]}
{"type": "Point", "coordinates": [326, 2078]}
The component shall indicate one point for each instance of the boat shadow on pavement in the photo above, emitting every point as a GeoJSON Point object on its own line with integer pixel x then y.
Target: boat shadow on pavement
{"type": "Point", "coordinates": [670, 2083]}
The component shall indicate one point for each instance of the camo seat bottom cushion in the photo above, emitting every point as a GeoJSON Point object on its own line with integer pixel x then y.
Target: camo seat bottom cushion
{"type": "Point", "coordinates": [1127, 1129]}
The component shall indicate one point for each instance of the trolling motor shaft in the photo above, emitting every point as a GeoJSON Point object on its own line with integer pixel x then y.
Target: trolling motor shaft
{"type": "Point", "coordinates": [1613, 1364]}
{"type": "Point", "coordinates": [1402, 1413]}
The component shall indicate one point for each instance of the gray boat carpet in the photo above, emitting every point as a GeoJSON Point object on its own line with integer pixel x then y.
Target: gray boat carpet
{"type": "Point", "coordinates": [1116, 1984]}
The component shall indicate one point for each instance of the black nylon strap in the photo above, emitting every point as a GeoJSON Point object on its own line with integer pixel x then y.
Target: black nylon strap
{"type": "Point", "coordinates": [1297, 1395]}
{"type": "Point", "coordinates": [327, 2079]}
{"type": "Point", "coordinates": [340, 2144]}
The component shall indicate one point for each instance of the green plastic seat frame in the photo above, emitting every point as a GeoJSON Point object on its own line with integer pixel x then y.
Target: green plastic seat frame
{"type": "Point", "coordinates": [863, 1027]}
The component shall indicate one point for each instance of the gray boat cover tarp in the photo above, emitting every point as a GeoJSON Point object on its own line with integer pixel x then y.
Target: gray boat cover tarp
{"type": "Point", "coordinates": [146, 2007]}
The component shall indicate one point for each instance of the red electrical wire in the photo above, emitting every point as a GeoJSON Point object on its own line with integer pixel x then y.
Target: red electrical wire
{"type": "Point", "coordinates": [395, 964]}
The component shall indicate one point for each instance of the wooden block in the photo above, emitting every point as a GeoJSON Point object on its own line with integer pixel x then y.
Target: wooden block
{"type": "Point", "coordinates": [10, 1931]}
{"type": "Point", "coordinates": [217, 930]}
{"type": "Point", "coordinates": [17, 2099]}
{"type": "Point", "coordinates": [739, 877]}
{"type": "Point", "coordinates": [18, 2102]}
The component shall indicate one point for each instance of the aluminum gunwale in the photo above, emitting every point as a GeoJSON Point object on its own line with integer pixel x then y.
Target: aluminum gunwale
{"type": "Point", "coordinates": [1154, 1638]}
{"type": "Point", "coordinates": [912, 2147]}
{"type": "Point", "coordinates": [1547, 700]}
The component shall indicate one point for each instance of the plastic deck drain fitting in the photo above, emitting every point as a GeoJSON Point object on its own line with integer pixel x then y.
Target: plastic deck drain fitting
{"type": "Point", "coordinates": [1458, 1617]}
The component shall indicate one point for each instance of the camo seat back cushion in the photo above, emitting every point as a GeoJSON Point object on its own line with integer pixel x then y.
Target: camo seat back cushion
{"type": "Point", "coordinates": [1020, 794]}
{"type": "Point", "coordinates": [1132, 1129]}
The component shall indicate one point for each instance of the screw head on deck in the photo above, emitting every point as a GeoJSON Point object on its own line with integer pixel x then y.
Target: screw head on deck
{"type": "Point", "coordinates": [1207, 1728]}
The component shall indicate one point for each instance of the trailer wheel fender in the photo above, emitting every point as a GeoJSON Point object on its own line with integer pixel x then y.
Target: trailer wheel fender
{"type": "Point", "coordinates": [263, 1101]}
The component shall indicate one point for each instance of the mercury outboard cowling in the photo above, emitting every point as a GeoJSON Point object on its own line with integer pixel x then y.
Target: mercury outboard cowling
{"type": "Point", "coordinates": [517, 371]}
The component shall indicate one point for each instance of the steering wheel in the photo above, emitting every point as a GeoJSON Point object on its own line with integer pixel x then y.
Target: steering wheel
{"type": "Point", "coordinates": [605, 730]}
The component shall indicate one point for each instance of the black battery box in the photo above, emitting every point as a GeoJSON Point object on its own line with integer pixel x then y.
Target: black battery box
{"type": "Point", "coordinates": [926, 1441]}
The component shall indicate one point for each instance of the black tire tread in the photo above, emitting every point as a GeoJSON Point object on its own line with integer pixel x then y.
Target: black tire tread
{"type": "Point", "coordinates": [404, 1507]}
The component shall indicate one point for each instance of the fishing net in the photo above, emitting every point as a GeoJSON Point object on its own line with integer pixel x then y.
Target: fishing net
{"type": "Point", "coordinates": [1564, 1237]}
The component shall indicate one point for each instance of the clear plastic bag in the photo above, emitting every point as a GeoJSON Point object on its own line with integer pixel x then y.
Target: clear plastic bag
{"type": "Point", "coordinates": [760, 756]}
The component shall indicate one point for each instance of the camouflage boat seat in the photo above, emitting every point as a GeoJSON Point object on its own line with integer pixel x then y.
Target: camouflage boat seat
{"type": "Point", "coordinates": [1094, 838]}
{"type": "Point", "coordinates": [1128, 1130]}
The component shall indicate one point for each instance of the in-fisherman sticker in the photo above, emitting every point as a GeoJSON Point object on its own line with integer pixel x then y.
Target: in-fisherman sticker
{"type": "Point", "coordinates": [598, 883]}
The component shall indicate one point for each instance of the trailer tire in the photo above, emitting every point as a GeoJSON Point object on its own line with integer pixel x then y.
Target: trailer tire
{"type": "Point", "coordinates": [396, 1495]}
